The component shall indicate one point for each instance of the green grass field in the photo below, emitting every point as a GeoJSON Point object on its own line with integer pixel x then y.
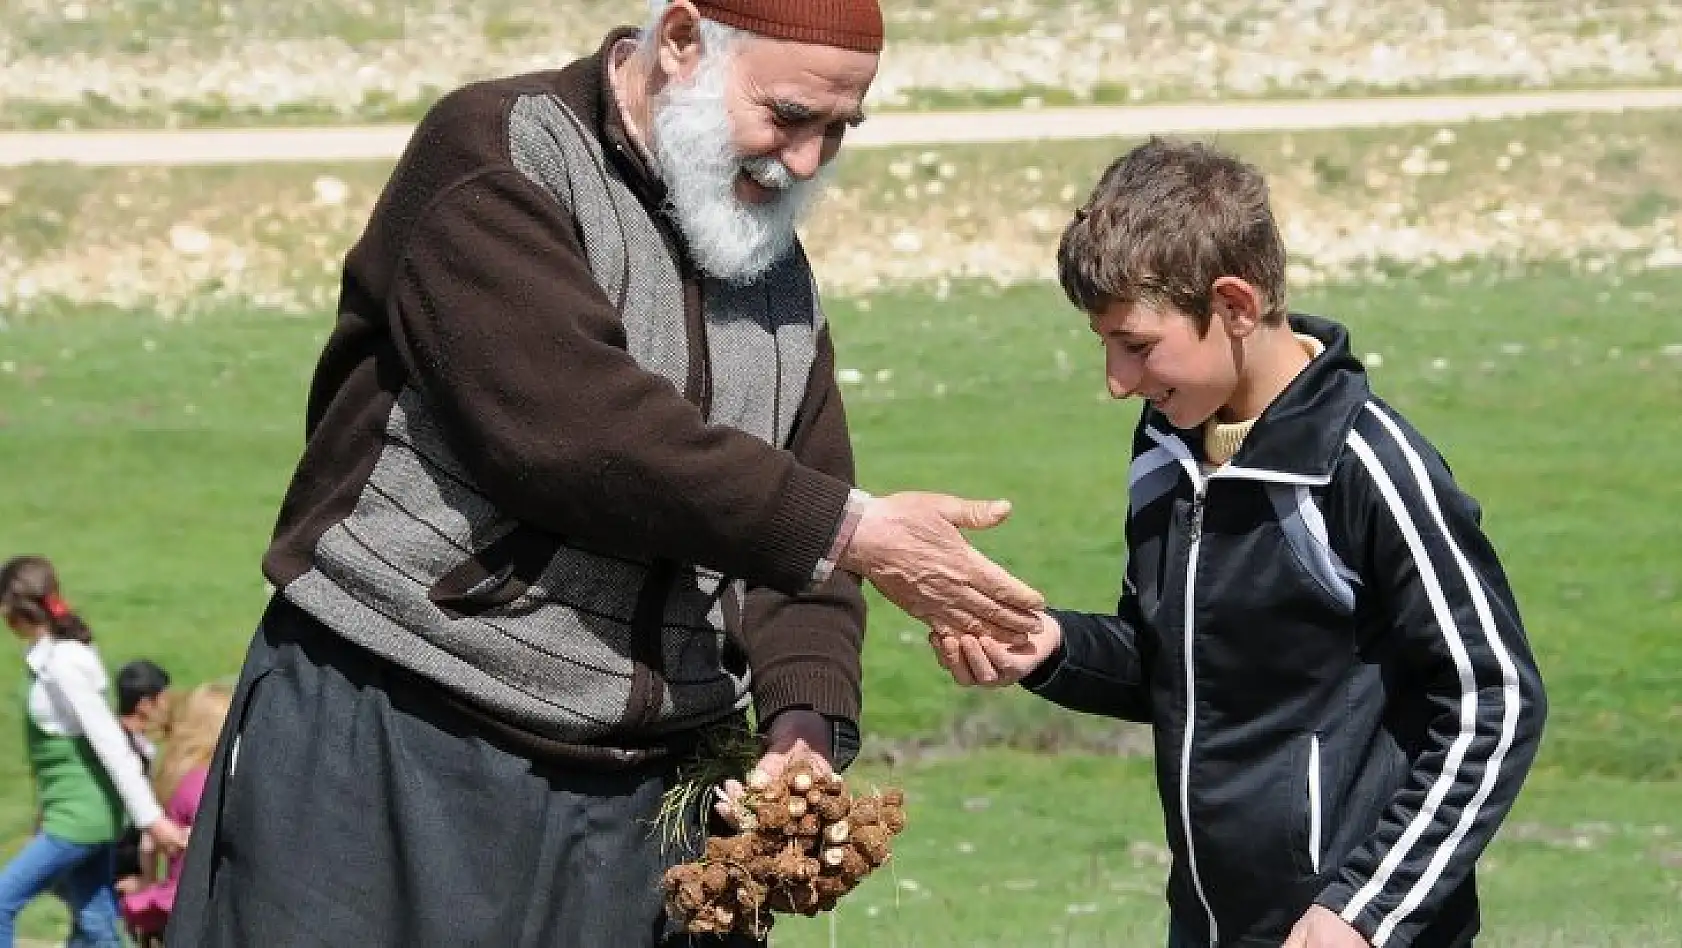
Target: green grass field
{"type": "Point", "coordinates": [147, 458]}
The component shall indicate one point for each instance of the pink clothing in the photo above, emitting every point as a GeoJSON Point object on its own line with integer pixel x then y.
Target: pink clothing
{"type": "Point", "coordinates": [147, 910]}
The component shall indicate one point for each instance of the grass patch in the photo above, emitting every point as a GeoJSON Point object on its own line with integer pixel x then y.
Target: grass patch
{"type": "Point", "coordinates": [1006, 849]}
{"type": "Point", "coordinates": [147, 458]}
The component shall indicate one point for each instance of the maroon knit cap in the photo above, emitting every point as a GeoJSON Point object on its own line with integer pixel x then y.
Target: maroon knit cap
{"type": "Point", "coordinates": [847, 24]}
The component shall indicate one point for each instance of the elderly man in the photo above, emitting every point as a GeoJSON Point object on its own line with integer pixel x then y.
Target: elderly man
{"type": "Point", "coordinates": [577, 488]}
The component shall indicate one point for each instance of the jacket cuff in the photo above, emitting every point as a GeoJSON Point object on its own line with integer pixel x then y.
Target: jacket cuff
{"type": "Point", "coordinates": [816, 687]}
{"type": "Point", "coordinates": [802, 530]}
{"type": "Point", "coordinates": [1048, 670]}
{"type": "Point", "coordinates": [1337, 897]}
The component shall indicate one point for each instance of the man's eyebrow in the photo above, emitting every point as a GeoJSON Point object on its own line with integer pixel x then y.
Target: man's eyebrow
{"type": "Point", "coordinates": [790, 110]}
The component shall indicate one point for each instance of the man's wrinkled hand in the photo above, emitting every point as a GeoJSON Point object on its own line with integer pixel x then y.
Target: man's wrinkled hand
{"type": "Point", "coordinates": [1321, 927]}
{"type": "Point", "coordinates": [985, 662]}
{"type": "Point", "coordinates": [793, 733]}
{"type": "Point", "coordinates": [911, 549]}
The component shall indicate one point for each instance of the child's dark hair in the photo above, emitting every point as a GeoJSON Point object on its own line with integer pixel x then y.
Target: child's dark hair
{"type": "Point", "coordinates": [1165, 222]}
{"type": "Point", "coordinates": [29, 591]}
{"type": "Point", "coordinates": [137, 681]}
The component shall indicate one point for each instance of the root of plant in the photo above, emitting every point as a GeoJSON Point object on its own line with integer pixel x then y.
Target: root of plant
{"type": "Point", "coordinates": [805, 842]}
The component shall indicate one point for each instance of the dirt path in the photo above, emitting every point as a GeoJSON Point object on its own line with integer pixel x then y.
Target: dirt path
{"type": "Point", "coordinates": [242, 146]}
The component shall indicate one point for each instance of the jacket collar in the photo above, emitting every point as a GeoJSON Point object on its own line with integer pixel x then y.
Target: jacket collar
{"type": "Point", "coordinates": [602, 115]}
{"type": "Point", "coordinates": [1299, 437]}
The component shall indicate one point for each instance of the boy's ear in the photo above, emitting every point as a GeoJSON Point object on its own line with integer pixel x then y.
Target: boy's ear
{"type": "Point", "coordinates": [1237, 304]}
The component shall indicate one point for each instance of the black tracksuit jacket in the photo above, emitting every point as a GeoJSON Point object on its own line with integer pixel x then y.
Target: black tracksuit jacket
{"type": "Point", "coordinates": [1343, 698]}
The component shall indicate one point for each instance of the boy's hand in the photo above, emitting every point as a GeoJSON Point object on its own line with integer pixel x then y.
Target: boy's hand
{"type": "Point", "coordinates": [1320, 927]}
{"type": "Point", "coordinates": [983, 661]}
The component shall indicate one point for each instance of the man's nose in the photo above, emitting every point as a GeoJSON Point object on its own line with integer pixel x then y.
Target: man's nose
{"type": "Point", "coordinates": [804, 156]}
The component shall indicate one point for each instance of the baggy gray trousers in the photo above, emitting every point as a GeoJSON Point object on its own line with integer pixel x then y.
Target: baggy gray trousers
{"type": "Point", "coordinates": [361, 811]}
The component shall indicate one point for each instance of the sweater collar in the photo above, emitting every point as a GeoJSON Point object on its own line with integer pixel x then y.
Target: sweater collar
{"type": "Point", "coordinates": [608, 121]}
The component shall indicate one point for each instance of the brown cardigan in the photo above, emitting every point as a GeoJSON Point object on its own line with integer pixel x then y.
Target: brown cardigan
{"type": "Point", "coordinates": [471, 293]}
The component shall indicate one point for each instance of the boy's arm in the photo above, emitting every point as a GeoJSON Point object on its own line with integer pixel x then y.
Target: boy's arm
{"type": "Point", "coordinates": [1456, 632]}
{"type": "Point", "coordinates": [1102, 665]}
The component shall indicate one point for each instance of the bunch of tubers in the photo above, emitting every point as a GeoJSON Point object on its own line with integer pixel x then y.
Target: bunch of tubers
{"type": "Point", "coordinates": [805, 842]}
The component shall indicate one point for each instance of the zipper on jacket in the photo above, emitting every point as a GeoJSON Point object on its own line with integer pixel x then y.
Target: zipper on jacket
{"type": "Point", "coordinates": [1201, 487]}
{"type": "Point", "coordinates": [1314, 803]}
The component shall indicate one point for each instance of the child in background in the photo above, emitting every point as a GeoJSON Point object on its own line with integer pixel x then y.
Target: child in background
{"type": "Point", "coordinates": [1311, 620]}
{"type": "Point", "coordinates": [180, 780]}
{"type": "Point", "coordinates": [143, 706]}
{"type": "Point", "coordinates": [85, 772]}
{"type": "Point", "coordinates": [143, 710]}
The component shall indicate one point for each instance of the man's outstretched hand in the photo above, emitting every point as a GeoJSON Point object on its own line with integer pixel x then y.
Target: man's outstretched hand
{"type": "Point", "coordinates": [911, 549]}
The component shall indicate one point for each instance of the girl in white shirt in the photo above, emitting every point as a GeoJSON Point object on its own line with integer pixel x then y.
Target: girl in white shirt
{"type": "Point", "coordinates": [86, 774]}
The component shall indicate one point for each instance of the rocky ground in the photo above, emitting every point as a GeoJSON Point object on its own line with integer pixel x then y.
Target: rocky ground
{"type": "Point", "coordinates": [1599, 192]}
{"type": "Point", "coordinates": [139, 63]}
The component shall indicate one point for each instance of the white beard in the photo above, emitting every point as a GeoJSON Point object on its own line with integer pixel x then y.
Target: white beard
{"type": "Point", "coordinates": [729, 239]}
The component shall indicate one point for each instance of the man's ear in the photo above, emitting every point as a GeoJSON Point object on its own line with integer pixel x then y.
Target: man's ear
{"type": "Point", "coordinates": [1237, 304]}
{"type": "Point", "coordinates": [678, 46]}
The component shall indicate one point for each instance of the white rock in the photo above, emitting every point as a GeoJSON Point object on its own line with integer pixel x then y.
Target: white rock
{"type": "Point", "coordinates": [189, 240]}
{"type": "Point", "coordinates": [906, 241]}
{"type": "Point", "coordinates": [330, 191]}
{"type": "Point", "coordinates": [1664, 258]}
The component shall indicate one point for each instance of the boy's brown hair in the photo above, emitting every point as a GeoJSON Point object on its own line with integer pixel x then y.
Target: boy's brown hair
{"type": "Point", "coordinates": [1165, 222]}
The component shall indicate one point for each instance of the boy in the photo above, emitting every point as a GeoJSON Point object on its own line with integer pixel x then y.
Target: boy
{"type": "Point", "coordinates": [1343, 700]}
{"type": "Point", "coordinates": [142, 706]}
{"type": "Point", "coordinates": [142, 710]}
